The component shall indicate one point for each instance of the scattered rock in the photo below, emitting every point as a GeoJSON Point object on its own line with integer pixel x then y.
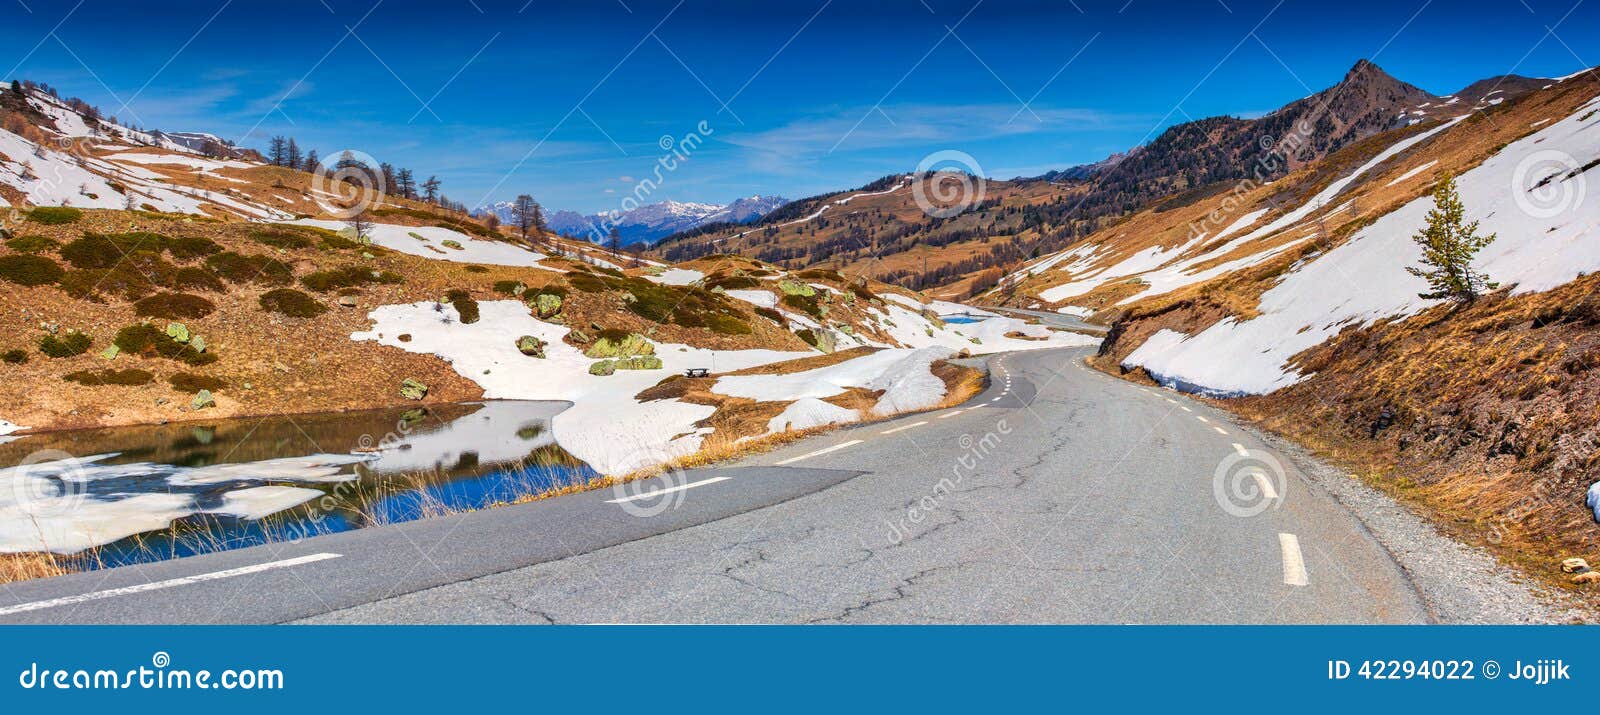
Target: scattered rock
{"type": "Point", "coordinates": [530, 346]}
{"type": "Point", "coordinates": [633, 344]}
{"type": "Point", "coordinates": [111, 353]}
{"type": "Point", "coordinates": [790, 287]}
{"type": "Point", "coordinates": [448, 243]}
{"type": "Point", "coordinates": [547, 304]}
{"type": "Point", "coordinates": [1574, 566]}
{"type": "Point", "coordinates": [578, 336]}
{"type": "Point", "coordinates": [820, 338]}
{"type": "Point", "coordinates": [603, 367]}
{"type": "Point", "coordinates": [198, 343]}
{"type": "Point", "coordinates": [1587, 578]}
{"type": "Point", "coordinates": [639, 362]}
{"type": "Point", "coordinates": [413, 390]}
{"type": "Point", "coordinates": [178, 332]}
{"type": "Point", "coordinates": [202, 400]}
{"type": "Point", "coordinates": [348, 301]}
{"type": "Point", "coordinates": [280, 367]}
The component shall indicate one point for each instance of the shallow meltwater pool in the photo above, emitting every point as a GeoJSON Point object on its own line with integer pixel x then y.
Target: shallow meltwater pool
{"type": "Point", "coordinates": [110, 497]}
{"type": "Point", "coordinates": [961, 319]}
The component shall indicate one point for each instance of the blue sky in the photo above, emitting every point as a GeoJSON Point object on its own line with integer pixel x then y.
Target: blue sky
{"type": "Point", "coordinates": [570, 100]}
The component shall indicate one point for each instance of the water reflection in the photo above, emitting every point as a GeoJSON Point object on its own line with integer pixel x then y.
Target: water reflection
{"type": "Point", "coordinates": [122, 495]}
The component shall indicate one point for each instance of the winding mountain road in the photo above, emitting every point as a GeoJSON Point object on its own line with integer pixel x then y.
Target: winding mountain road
{"type": "Point", "coordinates": [1058, 495]}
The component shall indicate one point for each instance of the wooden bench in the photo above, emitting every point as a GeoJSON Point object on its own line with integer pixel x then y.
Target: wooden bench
{"type": "Point", "coordinates": [696, 372]}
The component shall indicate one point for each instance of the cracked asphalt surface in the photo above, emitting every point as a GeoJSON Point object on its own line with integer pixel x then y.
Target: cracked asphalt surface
{"type": "Point", "coordinates": [1059, 495]}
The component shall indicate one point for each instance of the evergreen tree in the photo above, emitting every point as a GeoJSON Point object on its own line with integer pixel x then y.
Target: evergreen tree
{"type": "Point", "coordinates": [1448, 244]}
{"type": "Point", "coordinates": [313, 164]}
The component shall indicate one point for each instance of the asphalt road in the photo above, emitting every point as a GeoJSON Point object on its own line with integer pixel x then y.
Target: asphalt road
{"type": "Point", "coordinates": [1058, 495]}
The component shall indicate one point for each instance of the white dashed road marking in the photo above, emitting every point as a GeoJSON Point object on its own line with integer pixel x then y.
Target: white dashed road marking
{"type": "Point", "coordinates": [903, 428]}
{"type": "Point", "coordinates": [169, 583]}
{"type": "Point", "coordinates": [1241, 450]}
{"type": "Point", "coordinates": [1294, 565]}
{"type": "Point", "coordinates": [668, 490]}
{"type": "Point", "coordinates": [821, 452]}
{"type": "Point", "coordinates": [1219, 430]}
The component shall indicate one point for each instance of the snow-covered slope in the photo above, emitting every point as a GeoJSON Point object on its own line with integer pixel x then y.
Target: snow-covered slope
{"type": "Point", "coordinates": [1364, 279]}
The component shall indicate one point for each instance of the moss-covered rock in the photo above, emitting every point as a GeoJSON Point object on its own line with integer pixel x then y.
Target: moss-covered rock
{"type": "Point", "coordinates": [413, 389]}
{"type": "Point", "coordinates": [613, 346]}
{"type": "Point", "coordinates": [530, 346]}
{"type": "Point", "coordinates": [202, 400]}
{"type": "Point", "coordinates": [547, 304]}
{"type": "Point", "coordinates": [448, 243]}
{"type": "Point", "coordinates": [791, 287]}
{"type": "Point", "coordinates": [603, 367]}
{"type": "Point", "coordinates": [178, 332]}
{"type": "Point", "coordinates": [639, 362]}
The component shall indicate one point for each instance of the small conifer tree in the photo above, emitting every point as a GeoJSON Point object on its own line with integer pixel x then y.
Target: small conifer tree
{"type": "Point", "coordinates": [1448, 244]}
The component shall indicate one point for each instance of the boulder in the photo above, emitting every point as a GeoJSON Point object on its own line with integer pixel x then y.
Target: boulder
{"type": "Point", "coordinates": [198, 343]}
{"type": "Point", "coordinates": [603, 367]}
{"type": "Point", "coordinates": [633, 344]}
{"type": "Point", "coordinates": [547, 304]}
{"type": "Point", "coordinates": [1574, 566]}
{"type": "Point", "coordinates": [790, 287]}
{"type": "Point", "coordinates": [202, 400]}
{"type": "Point", "coordinates": [111, 352]}
{"type": "Point", "coordinates": [348, 301]}
{"type": "Point", "coordinates": [412, 389]}
{"type": "Point", "coordinates": [578, 336]}
{"type": "Point", "coordinates": [178, 332]}
{"type": "Point", "coordinates": [1587, 577]}
{"type": "Point", "coordinates": [639, 362]}
{"type": "Point", "coordinates": [448, 243]}
{"type": "Point", "coordinates": [530, 346]}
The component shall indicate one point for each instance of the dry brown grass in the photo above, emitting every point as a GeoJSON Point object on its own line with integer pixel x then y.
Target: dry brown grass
{"type": "Point", "coordinates": [23, 567]}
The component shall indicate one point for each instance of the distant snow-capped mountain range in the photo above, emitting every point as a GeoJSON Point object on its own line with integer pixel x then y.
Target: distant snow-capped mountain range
{"type": "Point", "coordinates": [651, 222]}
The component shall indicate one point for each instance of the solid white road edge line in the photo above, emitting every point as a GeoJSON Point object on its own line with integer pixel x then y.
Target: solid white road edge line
{"type": "Point", "coordinates": [169, 583]}
{"type": "Point", "coordinates": [821, 452]}
{"type": "Point", "coordinates": [1241, 450]}
{"type": "Point", "coordinates": [668, 490]}
{"type": "Point", "coordinates": [903, 428]}
{"type": "Point", "coordinates": [1294, 566]}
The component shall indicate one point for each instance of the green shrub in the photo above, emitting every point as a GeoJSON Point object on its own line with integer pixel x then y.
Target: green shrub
{"type": "Point", "coordinates": [804, 303]}
{"type": "Point", "coordinates": [191, 383]}
{"type": "Point", "coordinates": [820, 274]}
{"type": "Point", "coordinates": [511, 288]}
{"type": "Point", "coordinates": [772, 315]}
{"type": "Point", "coordinates": [477, 269]}
{"type": "Point", "coordinates": [727, 325]}
{"type": "Point", "coordinates": [464, 305]}
{"type": "Point", "coordinates": [93, 251]}
{"type": "Point", "coordinates": [27, 270]}
{"type": "Point", "coordinates": [188, 248]}
{"type": "Point", "coordinates": [174, 306]}
{"type": "Point", "coordinates": [124, 280]}
{"type": "Point", "coordinates": [335, 242]}
{"type": "Point", "coordinates": [147, 340]}
{"type": "Point", "coordinates": [55, 215]}
{"type": "Point", "coordinates": [292, 303]}
{"type": "Point", "coordinates": [14, 356]}
{"type": "Point", "coordinates": [281, 239]}
{"type": "Point", "coordinates": [348, 277]}
{"type": "Point", "coordinates": [239, 268]}
{"type": "Point", "coordinates": [96, 378]}
{"type": "Point", "coordinates": [196, 278]}
{"type": "Point", "coordinates": [32, 244]}
{"type": "Point", "coordinates": [727, 282]}
{"type": "Point", "coordinates": [61, 346]}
